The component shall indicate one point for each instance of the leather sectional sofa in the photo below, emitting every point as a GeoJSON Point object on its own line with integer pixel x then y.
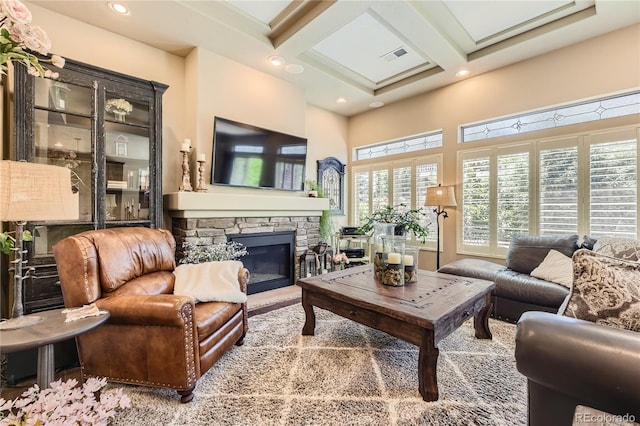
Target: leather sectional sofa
{"type": "Point", "coordinates": [516, 291]}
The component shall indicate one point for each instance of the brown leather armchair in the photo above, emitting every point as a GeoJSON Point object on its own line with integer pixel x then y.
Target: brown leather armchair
{"type": "Point", "coordinates": [153, 337]}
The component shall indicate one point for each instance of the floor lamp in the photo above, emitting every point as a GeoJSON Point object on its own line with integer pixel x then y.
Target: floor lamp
{"type": "Point", "coordinates": [441, 197]}
{"type": "Point", "coordinates": [31, 192]}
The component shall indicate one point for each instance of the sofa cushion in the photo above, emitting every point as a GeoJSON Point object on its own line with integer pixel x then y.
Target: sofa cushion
{"type": "Point", "coordinates": [516, 286]}
{"type": "Point", "coordinates": [605, 290]}
{"type": "Point", "coordinates": [473, 268]}
{"type": "Point", "coordinates": [527, 252]}
{"type": "Point", "coordinates": [621, 248]}
{"type": "Point", "coordinates": [556, 267]}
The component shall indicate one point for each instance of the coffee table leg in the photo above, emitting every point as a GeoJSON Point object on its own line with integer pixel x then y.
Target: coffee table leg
{"type": "Point", "coordinates": [481, 320]}
{"type": "Point", "coordinates": [310, 316]}
{"type": "Point", "coordinates": [427, 369]}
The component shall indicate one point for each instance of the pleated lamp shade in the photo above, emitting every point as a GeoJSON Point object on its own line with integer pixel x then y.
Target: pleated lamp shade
{"type": "Point", "coordinates": [36, 192]}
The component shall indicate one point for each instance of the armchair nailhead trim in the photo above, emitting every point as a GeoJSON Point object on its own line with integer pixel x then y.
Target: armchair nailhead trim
{"type": "Point", "coordinates": [189, 345]}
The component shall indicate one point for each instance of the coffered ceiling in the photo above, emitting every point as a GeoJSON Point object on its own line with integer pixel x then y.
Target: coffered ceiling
{"type": "Point", "coordinates": [364, 52]}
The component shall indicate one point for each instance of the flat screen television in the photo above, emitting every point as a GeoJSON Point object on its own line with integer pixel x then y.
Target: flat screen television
{"type": "Point", "coordinates": [245, 155]}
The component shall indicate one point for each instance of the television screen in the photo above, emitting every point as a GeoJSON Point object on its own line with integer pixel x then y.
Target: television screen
{"type": "Point", "coordinates": [245, 155]}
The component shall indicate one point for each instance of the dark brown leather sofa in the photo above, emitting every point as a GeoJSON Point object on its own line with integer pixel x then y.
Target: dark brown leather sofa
{"type": "Point", "coordinates": [153, 337]}
{"type": "Point", "coordinates": [516, 291]}
{"type": "Point", "coordinates": [570, 362]}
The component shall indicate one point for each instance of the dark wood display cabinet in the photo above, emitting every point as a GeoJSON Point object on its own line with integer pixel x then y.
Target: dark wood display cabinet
{"type": "Point", "coordinates": [105, 127]}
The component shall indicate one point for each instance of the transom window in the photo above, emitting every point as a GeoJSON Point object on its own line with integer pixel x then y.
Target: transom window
{"type": "Point", "coordinates": [414, 143]}
{"type": "Point", "coordinates": [579, 112]}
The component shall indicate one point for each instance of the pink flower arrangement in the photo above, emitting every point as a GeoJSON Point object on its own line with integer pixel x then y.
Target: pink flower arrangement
{"type": "Point", "coordinates": [340, 259]}
{"type": "Point", "coordinates": [17, 33]}
{"type": "Point", "coordinates": [63, 403]}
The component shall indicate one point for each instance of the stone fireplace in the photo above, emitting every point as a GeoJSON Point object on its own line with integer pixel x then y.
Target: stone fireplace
{"type": "Point", "coordinates": [205, 218]}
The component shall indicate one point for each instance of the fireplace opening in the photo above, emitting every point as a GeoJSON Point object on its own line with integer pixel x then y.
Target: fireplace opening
{"type": "Point", "coordinates": [269, 259]}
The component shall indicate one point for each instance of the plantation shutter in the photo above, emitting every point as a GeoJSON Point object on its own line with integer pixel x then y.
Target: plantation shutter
{"type": "Point", "coordinates": [426, 176]}
{"type": "Point", "coordinates": [380, 189]}
{"type": "Point", "coordinates": [613, 185]}
{"type": "Point", "coordinates": [513, 196]}
{"type": "Point", "coordinates": [402, 187]}
{"type": "Point", "coordinates": [361, 196]}
{"type": "Point", "coordinates": [558, 191]}
{"type": "Point", "coordinates": [476, 193]}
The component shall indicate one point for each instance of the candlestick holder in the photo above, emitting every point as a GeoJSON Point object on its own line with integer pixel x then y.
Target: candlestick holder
{"type": "Point", "coordinates": [201, 187]}
{"type": "Point", "coordinates": [186, 179]}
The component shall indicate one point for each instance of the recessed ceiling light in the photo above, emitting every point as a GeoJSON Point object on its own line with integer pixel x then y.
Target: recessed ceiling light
{"type": "Point", "coordinates": [376, 104]}
{"type": "Point", "coordinates": [462, 73]}
{"type": "Point", "coordinates": [276, 60]}
{"type": "Point", "coordinates": [118, 8]}
{"type": "Point", "coordinates": [341, 100]}
{"type": "Point", "coordinates": [294, 69]}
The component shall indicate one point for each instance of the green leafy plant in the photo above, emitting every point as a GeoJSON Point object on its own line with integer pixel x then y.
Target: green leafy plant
{"type": "Point", "coordinates": [311, 185]}
{"type": "Point", "coordinates": [412, 220]}
{"type": "Point", "coordinates": [7, 242]}
{"type": "Point", "coordinates": [194, 253]}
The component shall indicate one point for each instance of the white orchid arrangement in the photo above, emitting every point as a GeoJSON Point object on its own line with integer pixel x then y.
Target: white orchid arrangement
{"type": "Point", "coordinates": [18, 36]}
{"type": "Point", "coordinates": [64, 403]}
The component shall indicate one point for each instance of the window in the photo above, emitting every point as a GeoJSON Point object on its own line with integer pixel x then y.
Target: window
{"type": "Point", "coordinates": [402, 182]}
{"type": "Point", "coordinates": [401, 146]}
{"type": "Point", "coordinates": [584, 184]}
{"type": "Point", "coordinates": [578, 112]}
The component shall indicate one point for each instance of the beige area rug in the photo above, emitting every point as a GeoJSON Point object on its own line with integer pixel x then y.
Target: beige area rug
{"type": "Point", "coordinates": [347, 374]}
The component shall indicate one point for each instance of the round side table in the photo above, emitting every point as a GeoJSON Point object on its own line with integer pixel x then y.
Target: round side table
{"type": "Point", "coordinates": [43, 335]}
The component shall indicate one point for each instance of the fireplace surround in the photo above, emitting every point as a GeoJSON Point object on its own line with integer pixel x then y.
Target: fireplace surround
{"type": "Point", "coordinates": [207, 218]}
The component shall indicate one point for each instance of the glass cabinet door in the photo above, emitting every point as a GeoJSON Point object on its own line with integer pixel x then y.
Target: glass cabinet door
{"type": "Point", "coordinates": [62, 129]}
{"type": "Point", "coordinates": [127, 159]}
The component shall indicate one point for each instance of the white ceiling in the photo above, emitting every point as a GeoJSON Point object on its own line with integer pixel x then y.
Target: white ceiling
{"type": "Point", "coordinates": [362, 51]}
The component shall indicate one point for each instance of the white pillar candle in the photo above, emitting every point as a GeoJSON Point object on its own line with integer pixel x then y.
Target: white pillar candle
{"type": "Point", "coordinates": [185, 147]}
{"type": "Point", "coordinates": [394, 258]}
{"type": "Point", "coordinates": [408, 260]}
{"type": "Point", "coordinates": [201, 157]}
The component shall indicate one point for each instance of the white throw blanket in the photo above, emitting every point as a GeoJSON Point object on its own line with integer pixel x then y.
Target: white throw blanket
{"type": "Point", "coordinates": [210, 281]}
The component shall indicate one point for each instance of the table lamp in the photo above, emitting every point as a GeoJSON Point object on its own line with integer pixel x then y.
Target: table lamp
{"type": "Point", "coordinates": [441, 197]}
{"type": "Point", "coordinates": [32, 192]}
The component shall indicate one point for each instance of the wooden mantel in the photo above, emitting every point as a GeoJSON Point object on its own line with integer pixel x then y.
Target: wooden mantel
{"type": "Point", "coordinates": [205, 204]}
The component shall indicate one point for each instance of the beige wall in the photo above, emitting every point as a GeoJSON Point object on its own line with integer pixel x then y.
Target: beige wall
{"type": "Point", "coordinates": [217, 86]}
{"type": "Point", "coordinates": [603, 65]}
{"type": "Point", "coordinates": [327, 133]}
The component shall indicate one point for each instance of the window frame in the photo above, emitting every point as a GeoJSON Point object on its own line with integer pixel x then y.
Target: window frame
{"type": "Point", "coordinates": [583, 142]}
{"type": "Point", "coordinates": [389, 167]}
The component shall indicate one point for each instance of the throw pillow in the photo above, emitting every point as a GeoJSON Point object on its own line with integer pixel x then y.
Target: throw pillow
{"type": "Point", "coordinates": [556, 267]}
{"type": "Point", "coordinates": [605, 290]}
{"type": "Point", "coordinates": [210, 281]}
{"type": "Point", "coordinates": [621, 248]}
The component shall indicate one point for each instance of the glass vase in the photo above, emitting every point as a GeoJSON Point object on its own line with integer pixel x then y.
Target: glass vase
{"type": "Point", "coordinates": [410, 262]}
{"type": "Point", "coordinates": [380, 231]}
{"type": "Point", "coordinates": [393, 260]}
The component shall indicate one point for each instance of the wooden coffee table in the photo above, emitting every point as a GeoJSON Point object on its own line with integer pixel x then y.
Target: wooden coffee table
{"type": "Point", "coordinates": [421, 313]}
